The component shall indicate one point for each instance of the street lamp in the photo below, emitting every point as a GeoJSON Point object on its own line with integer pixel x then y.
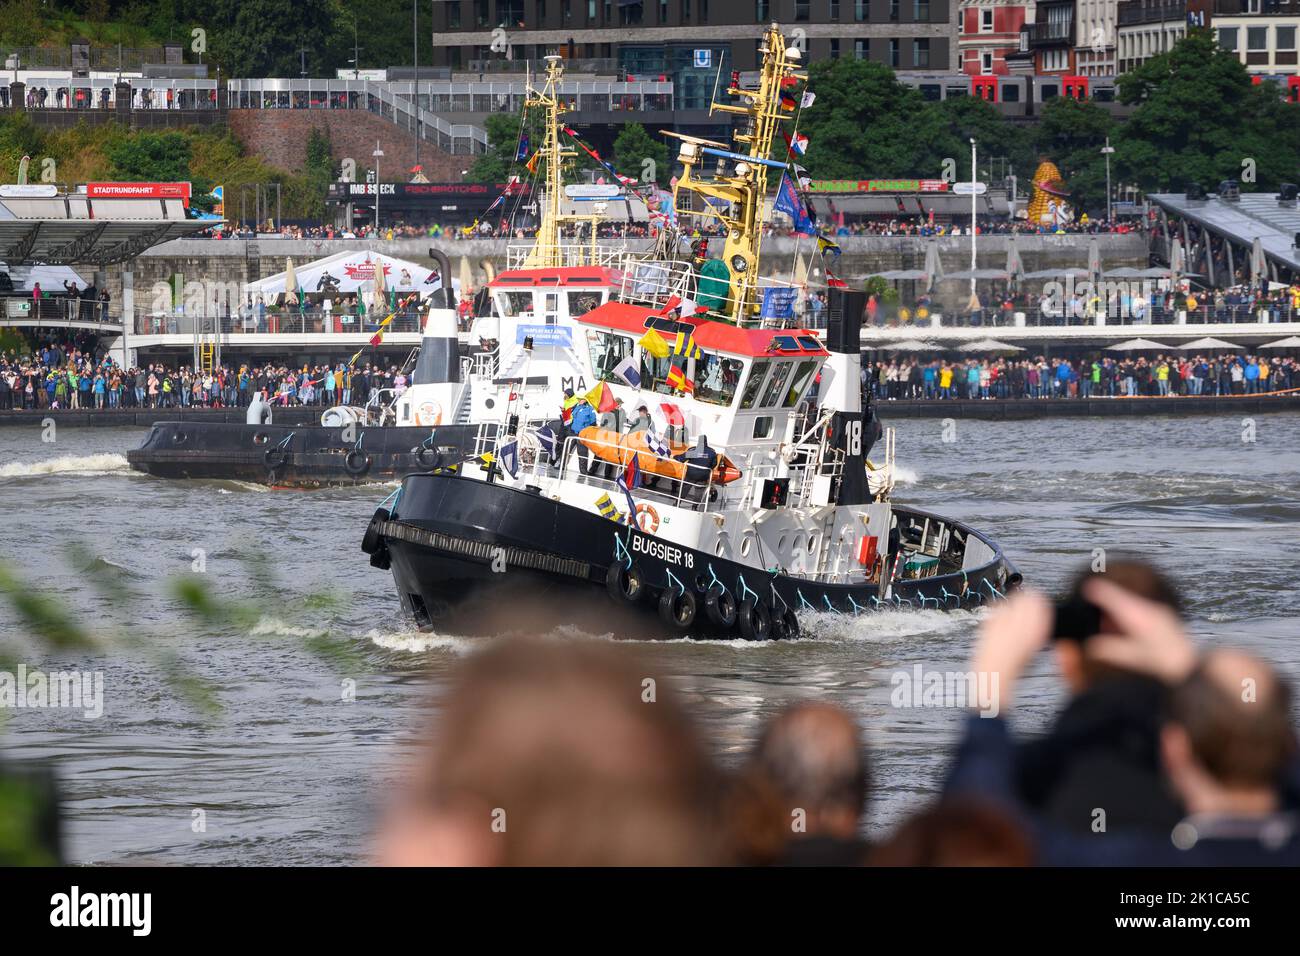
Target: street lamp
{"type": "Point", "coordinates": [415, 13]}
{"type": "Point", "coordinates": [377, 154]}
{"type": "Point", "coordinates": [973, 178]}
{"type": "Point", "coordinates": [1106, 151]}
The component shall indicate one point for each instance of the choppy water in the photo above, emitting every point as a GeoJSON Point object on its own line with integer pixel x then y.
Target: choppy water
{"type": "Point", "coordinates": [287, 772]}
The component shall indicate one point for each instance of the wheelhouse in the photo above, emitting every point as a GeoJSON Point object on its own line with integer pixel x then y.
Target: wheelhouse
{"type": "Point", "coordinates": [745, 383]}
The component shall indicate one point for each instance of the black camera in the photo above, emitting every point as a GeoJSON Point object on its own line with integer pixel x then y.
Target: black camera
{"type": "Point", "coordinates": [1076, 619]}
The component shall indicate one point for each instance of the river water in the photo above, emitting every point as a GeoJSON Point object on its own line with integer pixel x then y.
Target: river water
{"type": "Point", "coordinates": [284, 770]}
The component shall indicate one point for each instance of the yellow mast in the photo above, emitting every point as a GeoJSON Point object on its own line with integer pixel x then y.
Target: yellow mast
{"type": "Point", "coordinates": [746, 187]}
{"type": "Point", "coordinates": [546, 251]}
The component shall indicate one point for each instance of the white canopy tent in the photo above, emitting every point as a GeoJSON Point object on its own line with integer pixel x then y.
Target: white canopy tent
{"type": "Point", "coordinates": [347, 272]}
{"type": "Point", "coordinates": [1137, 345]}
{"type": "Point", "coordinates": [51, 278]}
{"type": "Point", "coordinates": [1209, 342]}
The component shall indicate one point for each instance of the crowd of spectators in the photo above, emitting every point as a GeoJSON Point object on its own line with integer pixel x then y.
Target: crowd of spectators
{"type": "Point", "coordinates": [68, 376]}
{"type": "Point", "coordinates": [556, 738]}
{"type": "Point", "coordinates": [1096, 376]}
{"type": "Point", "coordinates": [1124, 303]}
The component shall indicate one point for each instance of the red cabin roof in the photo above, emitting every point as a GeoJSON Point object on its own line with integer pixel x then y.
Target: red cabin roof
{"type": "Point", "coordinates": [586, 276]}
{"type": "Point", "coordinates": [710, 334]}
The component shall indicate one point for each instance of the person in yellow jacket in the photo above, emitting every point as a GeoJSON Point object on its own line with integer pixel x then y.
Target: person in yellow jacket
{"type": "Point", "coordinates": [945, 382]}
{"type": "Point", "coordinates": [1162, 377]}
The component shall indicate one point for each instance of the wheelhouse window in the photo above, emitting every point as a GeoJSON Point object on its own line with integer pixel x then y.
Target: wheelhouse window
{"type": "Point", "coordinates": [802, 379]}
{"type": "Point", "coordinates": [772, 394]}
{"type": "Point", "coordinates": [608, 349]}
{"type": "Point", "coordinates": [515, 303]}
{"type": "Point", "coordinates": [580, 303]}
{"type": "Point", "coordinates": [654, 373]}
{"type": "Point", "coordinates": [756, 375]}
{"type": "Point", "coordinates": [717, 378]}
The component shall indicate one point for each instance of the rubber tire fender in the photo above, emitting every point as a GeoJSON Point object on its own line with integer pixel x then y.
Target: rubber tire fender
{"type": "Point", "coordinates": [427, 457]}
{"type": "Point", "coordinates": [789, 624]}
{"type": "Point", "coordinates": [625, 584]}
{"type": "Point", "coordinates": [356, 464]}
{"type": "Point", "coordinates": [678, 610]}
{"type": "Point", "coordinates": [373, 539]}
{"type": "Point", "coordinates": [273, 457]}
{"type": "Point", "coordinates": [720, 607]}
{"type": "Point", "coordinates": [754, 620]}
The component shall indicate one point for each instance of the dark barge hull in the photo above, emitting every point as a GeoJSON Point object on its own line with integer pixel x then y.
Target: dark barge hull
{"type": "Point", "coordinates": [467, 555]}
{"type": "Point", "coordinates": [297, 456]}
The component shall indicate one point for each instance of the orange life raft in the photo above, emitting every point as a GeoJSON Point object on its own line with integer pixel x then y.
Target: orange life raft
{"type": "Point", "coordinates": [618, 449]}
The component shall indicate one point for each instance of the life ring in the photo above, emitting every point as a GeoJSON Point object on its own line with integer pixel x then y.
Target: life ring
{"type": "Point", "coordinates": [261, 438]}
{"type": "Point", "coordinates": [428, 413]}
{"type": "Point", "coordinates": [647, 515]}
{"type": "Point", "coordinates": [720, 607]}
{"type": "Point", "coordinates": [625, 584]}
{"type": "Point", "coordinates": [678, 610]}
{"type": "Point", "coordinates": [427, 456]}
{"type": "Point", "coordinates": [273, 457]}
{"type": "Point", "coordinates": [371, 540]}
{"type": "Point", "coordinates": [754, 620]}
{"type": "Point", "coordinates": [356, 463]}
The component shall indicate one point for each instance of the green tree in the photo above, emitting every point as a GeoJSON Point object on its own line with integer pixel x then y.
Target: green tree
{"type": "Point", "coordinates": [1071, 133]}
{"type": "Point", "coordinates": [864, 122]}
{"type": "Point", "coordinates": [633, 146]}
{"type": "Point", "coordinates": [318, 171]}
{"type": "Point", "coordinates": [1198, 118]}
{"type": "Point", "coordinates": [152, 157]}
{"type": "Point", "coordinates": [970, 117]}
{"type": "Point", "coordinates": [265, 37]}
{"type": "Point", "coordinates": [497, 164]}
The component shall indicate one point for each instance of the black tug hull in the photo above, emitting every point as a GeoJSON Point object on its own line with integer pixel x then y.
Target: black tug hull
{"type": "Point", "coordinates": [297, 456]}
{"type": "Point", "coordinates": [482, 559]}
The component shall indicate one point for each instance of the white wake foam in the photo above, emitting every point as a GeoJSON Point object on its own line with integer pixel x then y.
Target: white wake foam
{"type": "Point", "coordinates": [67, 465]}
{"type": "Point", "coordinates": [411, 642]}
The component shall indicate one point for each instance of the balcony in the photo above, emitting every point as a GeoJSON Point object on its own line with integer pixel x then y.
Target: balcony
{"type": "Point", "coordinates": [1051, 34]}
{"type": "Point", "coordinates": [1134, 12]}
{"type": "Point", "coordinates": [1256, 8]}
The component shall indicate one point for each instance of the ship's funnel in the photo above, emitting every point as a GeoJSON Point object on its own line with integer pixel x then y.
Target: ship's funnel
{"type": "Point", "coordinates": [443, 298]}
{"type": "Point", "coordinates": [439, 359]}
{"type": "Point", "coordinates": [852, 432]}
{"type": "Point", "coordinates": [844, 311]}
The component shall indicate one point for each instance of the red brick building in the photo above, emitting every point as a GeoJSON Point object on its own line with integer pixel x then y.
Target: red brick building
{"type": "Point", "coordinates": [989, 30]}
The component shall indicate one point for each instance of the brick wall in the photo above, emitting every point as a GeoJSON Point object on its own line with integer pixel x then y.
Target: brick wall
{"type": "Point", "coordinates": [280, 138]}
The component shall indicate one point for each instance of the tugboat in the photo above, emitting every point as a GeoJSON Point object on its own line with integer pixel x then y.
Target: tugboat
{"type": "Point", "coordinates": [436, 420]}
{"type": "Point", "coordinates": [741, 497]}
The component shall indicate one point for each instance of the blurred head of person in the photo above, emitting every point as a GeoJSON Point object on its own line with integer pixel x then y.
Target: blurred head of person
{"type": "Point", "coordinates": [813, 757]}
{"type": "Point", "coordinates": [552, 753]}
{"type": "Point", "coordinates": [1228, 738]}
{"type": "Point", "coordinates": [1079, 669]}
{"type": "Point", "coordinates": [957, 832]}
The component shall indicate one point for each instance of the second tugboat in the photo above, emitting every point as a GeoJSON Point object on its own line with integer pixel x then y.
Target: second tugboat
{"type": "Point", "coordinates": [740, 496]}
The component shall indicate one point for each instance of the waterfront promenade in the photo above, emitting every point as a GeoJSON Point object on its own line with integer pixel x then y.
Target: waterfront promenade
{"type": "Point", "coordinates": [992, 409]}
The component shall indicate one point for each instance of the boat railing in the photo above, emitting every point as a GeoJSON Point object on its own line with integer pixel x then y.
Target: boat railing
{"type": "Point", "coordinates": [592, 469]}
{"type": "Point", "coordinates": [529, 255]}
{"type": "Point", "coordinates": [482, 364]}
{"type": "Point", "coordinates": [654, 283]}
{"type": "Point", "coordinates": [381, 407]}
